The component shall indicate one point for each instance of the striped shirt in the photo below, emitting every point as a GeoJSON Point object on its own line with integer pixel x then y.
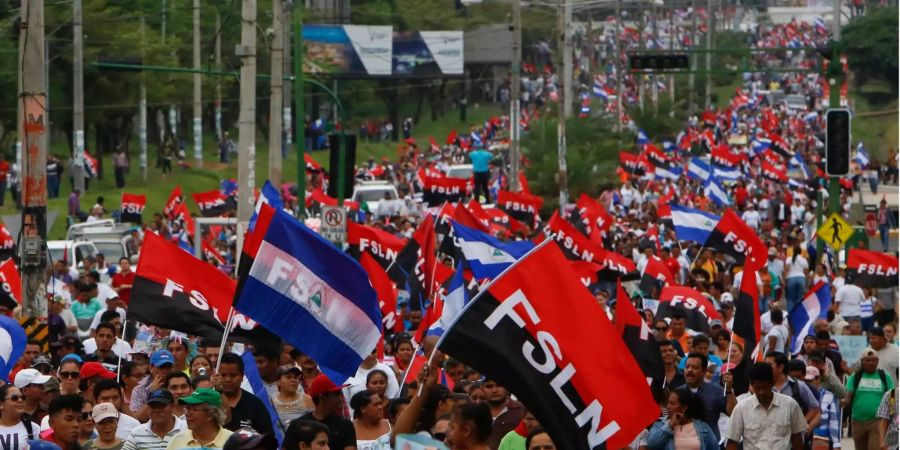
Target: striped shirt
{"type": "Point", "coordinates": [888, 411]}
{"type": "Point", "coordinates": [143, 438]}
{"type": "Point", "coordinates": [765, 428]}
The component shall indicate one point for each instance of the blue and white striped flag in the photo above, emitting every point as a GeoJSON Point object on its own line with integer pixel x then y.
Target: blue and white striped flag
{"type": "Point", "coordinates": [798, 162]}
{"type": "Point", "coordinates": [599, 91]}
{"type": "Point", "coordinates": [815, 305]}
{"type": "Point", "coordinates": [698, 169]}
{"type": "Point", "coordinates": [268, 195]}
{"type": "Point", "coordinates": [454, 302]}
{"type": "Point", "coordinates": [669, 172]}
{"type": "Point", "coordinates": [313, 296]}
{"type": "Point", "coordinates": [726, 173]}
{"type": "Point", "coordinates": [485, 254]}
{"type": "Point", "coordinates": [714, 190]}
{"type": "Point", "coordinates": [760, 144]}
{"type": "Point", "coordinates": [12, 344]}
{"type": "Point", "coordinates": [862, 156]}
{"type": "Point", "coordinates": [642, 137]}
{"type": "Point", "coordinates": [692, 224]}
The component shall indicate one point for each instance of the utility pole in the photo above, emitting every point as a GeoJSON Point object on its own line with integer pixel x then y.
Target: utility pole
{"type": "Point", "coordinates": [654, 90]}
{"type": "Point", "coordinates": [275, 99]}
{"type": "Point", "coordinates": [286, 21]}
{"type": "Point", "coordinates": [142, 114]}
{"type": "Point", "coordinates": [620, 70]}
{"type": "Point", "coordinates": [693, 57]}
{"type": "Point", "coordinates": [709, 32]}
{"type": "Point", "coordinates": [835, 76]}
{"type": "Point", "coordinates": [198, 108]}
{"type": "Point", "coordinates": [566, 72]}
{"type": "Point", "coordinates": [34, 123]}
{"type": "Point", "coordinates": [218, 60]}
{"type": "Point", "coordinates": [562, 108]}
{"type": "Point", "coordinates": [300, 122]}
{"type": "Point", "coordinates": [163, 26]}
{"type": "Point", "coordinates": [639, 77]}
{"type": "Point", "coordinates": [672, 35]}
{"type": "Point", "coordinates": [514, 94]}
{"type": "Point", "coordinates": [247, 117]}
{"type": "Point", "coordinates": [78, 96]}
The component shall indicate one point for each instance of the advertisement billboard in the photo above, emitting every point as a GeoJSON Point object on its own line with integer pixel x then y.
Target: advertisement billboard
{"type": "Point", "coordinates": [424, 54]}
{"type": "Point", "coordinates": [347, 50]}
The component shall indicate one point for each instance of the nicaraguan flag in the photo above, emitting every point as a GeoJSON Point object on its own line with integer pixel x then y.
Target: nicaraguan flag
{"type": "Point", "coordinates": [313, 296]}
{"type": "Point", "coordinates": [760, 144]}
{"type": "Point", "coordinates": [12, 344]}
{"type": "Point", "coordinates": [485, 254]}
{"type": "Point", "coordinates": [810, 116]}
{"type": "Point", "coordinates": [268, 195]}
{"type": "Point", "coordinates": [669, 172]}
{"type": "Point", "coordinates": [599, 91]}
{"type": "Point", "coordinates": [642, 138]}
{"type": "Point", "coordinates": [815, 305]}
{"type": "Point", "coordinates": [819, 24]}
{"type": "Point", "coordinates": [454, 302]}
{"type": "Point", "coordinates": [798, 162]}
{"type": "Point", "coordinates": [692, 224]}
{"type": "Point", "coordinates": [251, 371]}
{"type": "Point", "coordinates": [698, 169]}
{"type": "Point", "coordinates": [726, 173]}
{"type": "Point", "coordinates": [714, 190]}
{"type": "Point", "coordinates": [476, 139]}
{"type": "Point", "coordinates": [669, 146]}
{"type": "Point", "coordinates": [862, 156]}
{"type": "Point", "coordinates": [184, 244]}
{"type": "Point", "coordinates": [228, 187]}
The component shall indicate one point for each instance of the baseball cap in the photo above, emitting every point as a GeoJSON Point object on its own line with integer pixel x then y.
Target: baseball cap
{"type": "Point", "coordinates": [51, 385]}
{"type": "Point", "coordinates": [811, 373]}
{"type": "Point", "coordinates": [715, 322]}
{"type": "Point", "coordinates": [323, 385]}
{"type": "Point", "coordinates": [104, 411]}
{"type": "Point", "coordinates": [94, 369]}
{"type": "Point", "coordinates": [69, 340]}
{"type": "Point", "coordinates": [40, 444]}
{"type": "Point", "coordinates": [288, 368]}
{"type": "Point", "coordinates": [202, 395]}
{"type": "Point", "coordinates": [73, 357]}
{"type": "Point", "coordinates": [160, 396]}
{"type": "Point", "coordinates": [726, 298]}
{"type": "Point", "coordinates": [160, 358]}
{"type": "Point", "coordinates": [869, 351]}
{"type": "Point", "coordinates": [247, 439]}
{"type": "Point", "coordinates": [41, 360]}
{"type": "Point", "coordinates": [26, 377]}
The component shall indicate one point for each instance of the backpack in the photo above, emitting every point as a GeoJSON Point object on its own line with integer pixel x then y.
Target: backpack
{"type": "Point", "coordinates": [857, 377]}
{"type": "Point", "coordinates": [26, 422]}
{"type": "Point", "coordinates": [795, 394]}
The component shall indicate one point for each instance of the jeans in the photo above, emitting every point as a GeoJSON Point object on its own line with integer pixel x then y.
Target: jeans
{"type": "Point", "coordinates": [120, 177]}
{"type": "Point", "coordinates": [882, 229]}
{"type": "Point", "coordinates": [873, 183]}
{"type": "Point", "coordinates": [481, 185]}
{"type": "Point", "coordinates": [795, 290]}
{"type": "Point", "coordinates": [53, 186]}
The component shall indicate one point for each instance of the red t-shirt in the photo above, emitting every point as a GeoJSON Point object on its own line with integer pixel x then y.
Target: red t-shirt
{"type": "Point", "coordinates": [120, 279]}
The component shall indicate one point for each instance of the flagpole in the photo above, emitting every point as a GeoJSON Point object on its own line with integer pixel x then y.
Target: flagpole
{"type": "Point", "coordinates": [119, 364]}
{"type": "Point", "coordinates": [487, 287]}
{"type": "Point", "coordinates": [406, 372]}
{"type": "Point", "coordinates": [728, 360]}
{"type": "Point", "coordinates": [224, 338]}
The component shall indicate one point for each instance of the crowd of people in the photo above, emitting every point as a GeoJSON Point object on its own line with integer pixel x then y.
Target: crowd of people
{"type": "Point", "coordinates": [108, 383]}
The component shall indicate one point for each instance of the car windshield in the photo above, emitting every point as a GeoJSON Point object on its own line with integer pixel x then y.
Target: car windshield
{"type": "Point", "coordinates": [112, 251]}
{"type": "Point", "coordinates": [370, 195]}
{"type": "Point", "coordinates": [460, 172]}
{"type": "Point", "coordinates": [57, 254]}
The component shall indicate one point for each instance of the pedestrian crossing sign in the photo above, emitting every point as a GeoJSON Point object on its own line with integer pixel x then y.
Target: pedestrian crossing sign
{"type": "Point", "coordinates": [835, 231]}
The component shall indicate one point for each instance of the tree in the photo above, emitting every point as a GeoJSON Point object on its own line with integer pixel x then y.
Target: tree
{"type": "Point", "coordinates": [870, 43]}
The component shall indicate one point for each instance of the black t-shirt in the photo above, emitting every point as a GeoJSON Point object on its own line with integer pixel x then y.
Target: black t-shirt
{"type": "Point", "coordinates": [250, 412]}
{"type": "Point", "coordinates": [340, 431]}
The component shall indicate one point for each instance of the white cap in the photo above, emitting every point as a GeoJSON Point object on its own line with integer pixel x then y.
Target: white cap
{"type": "Point", "coordinates": [29, 376]}
{"type": "Point", "coordinates": [104, 411]}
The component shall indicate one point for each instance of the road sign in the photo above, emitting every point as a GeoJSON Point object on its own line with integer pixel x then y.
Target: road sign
{"type": "Point", "coordinates": [835, 231]}
{"type": "Point", "coordinates": [871, 224]}
{"type": "Point", "coordinates": [334, 224]}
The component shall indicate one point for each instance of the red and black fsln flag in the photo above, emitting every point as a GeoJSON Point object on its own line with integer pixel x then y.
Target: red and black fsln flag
{"type": "Point", "coordinates": [872, 269]}
{"type": "Point", "coordinates": [133, 207]}
{"type": "Point", "coordinates": [733, 237]}
{"type": "Point", "coordinates": [586, 396]}
{"type": "Point", "coordinates": [413, 269]}
{"type": "Point", "coordinates": [637, 337]}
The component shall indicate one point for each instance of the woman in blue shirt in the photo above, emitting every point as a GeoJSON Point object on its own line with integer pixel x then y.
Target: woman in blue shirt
{"type": "Point", "coordinates": [685, 427]}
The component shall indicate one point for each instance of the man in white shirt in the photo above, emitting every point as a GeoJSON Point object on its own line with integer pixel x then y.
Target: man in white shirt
{"type": "Point", "coordinates": [109, 391]}
{"type": "Point", "coordinates": [848, 300]}
{"type": "Point", "coordinates": [113, 303]}
{"type": "Point", "coordinates": [778, 335]}
{"type": "Point", "coordinates": [751, 218]}
{"type": "Point", "coordinates": [157, 433]}
{"type": "Point", "coordinates": [752, 419]}
{"type": "Point", "coordinates": [358, 382]}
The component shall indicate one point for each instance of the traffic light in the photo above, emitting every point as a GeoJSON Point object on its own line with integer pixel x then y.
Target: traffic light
{"type": "Point", "coordinates": [658, 62]}
{"type": "Point", "coordinates": [837, 142]}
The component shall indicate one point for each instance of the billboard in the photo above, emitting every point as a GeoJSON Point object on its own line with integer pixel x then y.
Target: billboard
{"type": "Point", "coordinates": [423, 54]}
{"type": "Point", "coordinates": [347, 50]}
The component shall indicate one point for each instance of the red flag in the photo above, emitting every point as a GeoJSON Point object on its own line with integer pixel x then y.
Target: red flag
{"type": "Point", "coordinates": [525, 208]}
{"type": "Point", "coordinates": [387, 293]}
{"type": "Point", "coordinates": [774, 173]}
{"type": "Point", "coordinates": [132, 207]}
{"type": "Point", "coordinates": [732, 236]}
{"type": "Point", "coordinates": [434, 147]}
{"type": "Point", "coordinates": [636, 335]}
{"type": "Point", "coordinates": [380, 244]}
{"type": "Point", "coordinates": [175, 198]}
{"type": "Point", "coordinates": [451, 137]}
{"type": "Point", "coordinates": [12, 285]}
{"type": "Point", "coordinates": [698, 310]}
{"type": "Point", "coordinates": [655, 277]}
{"type": "Point", "coordinates": [746, 314]}
{"type": "Point", "coordinates": [872, 269]}
{"type": "Point", "coordinates": [516, 333]}
{"type": "Point", "coordinates": [311, 164]}
{"type": "Point", "coordinates": [414, 266]}
{"type": "Point", "coordinates": [523, 183]}
{"type": "Point", "coordinates": [211, 253]}
{"type": "Point", "coordinates": [574, 245]}
{"type": "Point", "coordinates": [472, 216]}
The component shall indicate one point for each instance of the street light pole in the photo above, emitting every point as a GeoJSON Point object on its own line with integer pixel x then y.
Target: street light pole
{"type": "Point", "coordinates": [198, 108]}
{"type": "Point", "coordinates": [247, 116]}
{"type": "Point", "coordinates": [514, 94]}
{"type": "Point", "coordinates": [275, 97]}
{"type": "Point", "coordinates": [300, 115]}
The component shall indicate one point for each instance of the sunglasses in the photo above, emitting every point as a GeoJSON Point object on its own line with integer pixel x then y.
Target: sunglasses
{"type": "Point", "coordinates": [439, 436]}
{"type": "Point", "coordinates": [661, 328]}
{"type": "Point", "coordinates": [70, 375]}
{"type": "Point", "coordinates": [85, 416]}
{"type": "Point", "coordinates": [15, 398]}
